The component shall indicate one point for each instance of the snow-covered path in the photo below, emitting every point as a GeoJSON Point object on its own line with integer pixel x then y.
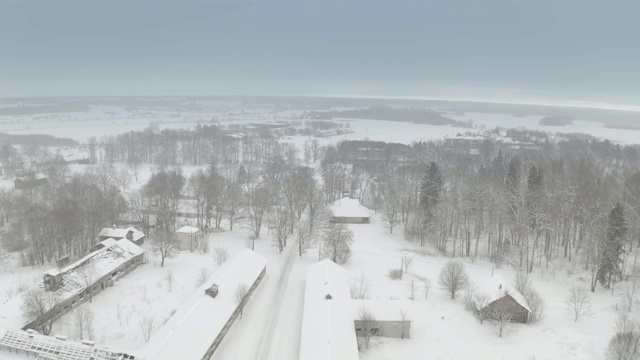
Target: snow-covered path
{"type": "Point", "coordinates": [270, 326]}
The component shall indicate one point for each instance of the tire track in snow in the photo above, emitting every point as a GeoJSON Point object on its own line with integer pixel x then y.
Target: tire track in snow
{"type": "Point", "coordinates": [270, 328]}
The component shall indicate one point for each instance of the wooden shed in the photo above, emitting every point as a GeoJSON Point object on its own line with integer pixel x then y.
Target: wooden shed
{"type": "Point", "coordinates": [494, 298]}
{"type": "Point", "coordinates": [188, 237]}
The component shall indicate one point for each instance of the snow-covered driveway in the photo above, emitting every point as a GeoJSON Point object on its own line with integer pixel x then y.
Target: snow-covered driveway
{"type": "Point", "coordinates": [270, 326]}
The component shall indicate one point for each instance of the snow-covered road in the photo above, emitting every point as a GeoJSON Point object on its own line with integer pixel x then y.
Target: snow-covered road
{"type": "Point", "coordinates": [270, 326]}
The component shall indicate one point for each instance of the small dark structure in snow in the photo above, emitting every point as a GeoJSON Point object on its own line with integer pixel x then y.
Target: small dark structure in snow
{"type": "Point", "coordinates": [30, 182]}
{"type": "Point", "coordinates": [212, 291]}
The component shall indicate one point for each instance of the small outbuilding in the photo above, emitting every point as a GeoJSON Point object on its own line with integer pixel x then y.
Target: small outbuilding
{"type": "Point", "coordinates": [494, 298]}
{"type": "Point", "coordinates": [349, 211]}
{"type": "Point", "coordinates": [188, 237]}
{"type": "Point", "coordinates": [387, 314]}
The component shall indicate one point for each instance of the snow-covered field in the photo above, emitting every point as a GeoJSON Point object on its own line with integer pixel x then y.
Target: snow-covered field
{"type": "Point", "coordinates": [105, 121]}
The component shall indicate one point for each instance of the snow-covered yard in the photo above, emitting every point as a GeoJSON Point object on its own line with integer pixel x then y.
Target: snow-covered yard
{"type": "Point", "coordinates": [443, 329]}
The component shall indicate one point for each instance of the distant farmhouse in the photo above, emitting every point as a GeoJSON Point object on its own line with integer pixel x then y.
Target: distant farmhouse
{"type": "Point", "coordinates": [30, 182]}
{"type": "Point", "coordinates": [349, 211]}
{"type": "Point", "coordinates": [330, 320]}
{"type": "Point", "coordinates": [198, 327]}
{"type": "Point", "coordinates": [132, 234]}
{"type": "Point", "coordinates": [76, 283]}
{"type": "Point", "coordinates": [493, 297]}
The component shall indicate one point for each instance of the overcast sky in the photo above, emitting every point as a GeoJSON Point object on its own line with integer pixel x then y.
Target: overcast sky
{"type": "Point", "coordinates": [517, 51]}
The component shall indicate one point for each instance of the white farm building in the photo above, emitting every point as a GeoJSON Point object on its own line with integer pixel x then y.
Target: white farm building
{"type": "Point", "coordinates": [198, 327]}
{"type": "Point", "coordinates": [349, 211]}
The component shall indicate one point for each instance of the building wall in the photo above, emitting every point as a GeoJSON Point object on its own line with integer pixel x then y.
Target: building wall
{"type": "Point", "coordinates": [518, 313]}
{"type": "Point", "coordinates": [184, 240]}
{"type": "Point", "coordinates": [391, 329]}
{"type": "Point", "coordinates": [76, 300]}
{"type": "Point", "coordinates": [350, 220]}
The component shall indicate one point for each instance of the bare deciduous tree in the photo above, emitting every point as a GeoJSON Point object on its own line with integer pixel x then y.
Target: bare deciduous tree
{"type": "Point", "coordinates": [625, 344]}
{"type": "Point", "coordinates": [165, 244]}
{"type": "Point", "coordinates": [279, 220]}
{"type": "Point", "coordinates": [146, 324]}
{"type": "Point", "coordinates": [629, 290]}
{"type": "Point", "coordinates": [407, 262]}
{"type": "Point", "coordinates": [360, 287]}
{"type": "Point", "coordinates": [83, 319]}
{"type": "Point", "coordinates": [411, 287]}
{"type": "Point", "coordinates": [202, 276]}
{"type": "Point", "coordinates": [335, 243]}
{"type": "Point", "coordinates": [406, 323]}
{"type": "Point", "coordinates": [578, 302]}
{"type": "Point", "coordinates": [36, 303]}
{"type": "Point", "coordinates": [260, 200]}
{"type": "Point", "coordinates": [304, 238]}
{"type": "Point", "coordinates": [453, 277]}
{"type": "Point", "coordinates": [481, 306]}
{"type": "Point", "coordinates": [501, 315]}
{"type": "Point", "coordinates": [427, 287]}
{"type": "Point", "coordinates": [368, 325]}
{"type": "Point", "coordinates": [169, 279]}
{"type": "Point", "coordinates": [220, 255]}
{"type": "Point", "coordinates": [241, 296]}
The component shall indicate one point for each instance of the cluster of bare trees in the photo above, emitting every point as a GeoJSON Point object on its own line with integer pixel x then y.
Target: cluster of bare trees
{"type": "Point", "coordinates": [63, 218]}
{"type": "Point", "coordinates": [534, 206]}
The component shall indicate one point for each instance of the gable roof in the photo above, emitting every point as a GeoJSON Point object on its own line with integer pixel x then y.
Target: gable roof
{"type": "Point", "coordinates": [121, 233]}
{"type": "Point", "coordinates": [495, 289]}
{"type": "Point", "coordinates": [348, 207]}
{"type": "Point", "coordinates": [188, 230]}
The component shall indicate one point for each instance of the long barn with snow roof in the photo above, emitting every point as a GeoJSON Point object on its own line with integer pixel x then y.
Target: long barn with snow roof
{"type": "Point", "coordinates": [198, 327]}
{"type": "Point", "coordinates": [328, 330]}
{"type": "Point", "coordinates": [74, 284]}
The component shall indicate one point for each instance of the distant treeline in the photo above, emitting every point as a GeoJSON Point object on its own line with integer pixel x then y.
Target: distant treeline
{"type": "Point", "coordinates": [43, 109]}
{"type": "Point", "coordinates": [555, 120]}
{"type": "Point", "coordinates": [624, 127]}
{"type": "Point", "coordinates": [415, 115]}
{"type": "Point", "coordinates": [35, 139]}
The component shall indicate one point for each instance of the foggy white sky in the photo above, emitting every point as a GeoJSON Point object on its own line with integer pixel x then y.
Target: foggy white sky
{"type": "Point", "coordinates": [562, 52]}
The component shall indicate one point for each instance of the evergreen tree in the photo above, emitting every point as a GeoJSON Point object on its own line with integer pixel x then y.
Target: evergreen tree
{"type": "Point", "coordinates": [431, 188]}
{"type": "Point", "coordinates": [513, 176]}
{"type": "Point", "coordinates": [611, 258]}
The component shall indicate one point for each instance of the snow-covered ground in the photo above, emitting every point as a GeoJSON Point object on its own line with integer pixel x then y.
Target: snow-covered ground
{"type": "Point", "coordinates": [108, 120]}
{"type": "Point", "coordinates": [442, 328]}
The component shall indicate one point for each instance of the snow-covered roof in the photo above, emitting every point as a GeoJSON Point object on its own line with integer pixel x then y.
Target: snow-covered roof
{"type": "Point", "coordinates": [121, 233]}
{"type": "Point", "coordinates": [49, 347]}
{"type": "Point", "coordinates": [495, 288]}
{"type": "Point", "coordinates": [104, 260]}
{"type": "Point", "coordinates": [328, 330]}
{"type": "Point", "coordinates": [188, 230]}
{"type": "Point", "coordinates": [108, 242]}
{"type": "Point", "coordinates": [192, 329]}
{"type": "Point", "coordinates": [348, 207]}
